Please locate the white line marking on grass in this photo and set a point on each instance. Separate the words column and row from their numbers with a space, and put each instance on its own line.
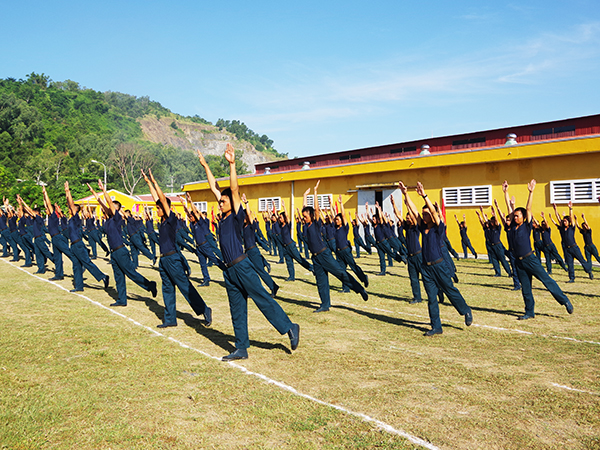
column 382, row 425
column 573, row 389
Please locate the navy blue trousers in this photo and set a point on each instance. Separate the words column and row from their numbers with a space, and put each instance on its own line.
column 437, row 278
column 42, row 254
column 81, row 261
column 415, row 267
column 123, row 267
column 591, row 250
column 345, row 258
column 528, row 268
column 172, row 273
column 497, row 257
column 241, row 281
column 324, row 264
column 258, row 261
column 572, row 254
column 551, row 253
column 60, row 246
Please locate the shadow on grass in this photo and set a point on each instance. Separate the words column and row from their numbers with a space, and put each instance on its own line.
column 223, row 340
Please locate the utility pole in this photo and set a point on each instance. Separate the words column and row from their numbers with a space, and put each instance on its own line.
column 171, row 185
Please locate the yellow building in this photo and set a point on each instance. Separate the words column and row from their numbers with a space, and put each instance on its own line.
column 136, row 204
column 461, row 177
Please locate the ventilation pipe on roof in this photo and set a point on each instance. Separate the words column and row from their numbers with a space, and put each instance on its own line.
column 267, row 171
column 511, row 139
column 425, row 150
column 306, row 165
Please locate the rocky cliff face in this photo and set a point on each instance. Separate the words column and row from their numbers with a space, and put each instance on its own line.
column 207, row 138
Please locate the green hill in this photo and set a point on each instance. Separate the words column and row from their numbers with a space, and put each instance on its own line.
column 51, row 131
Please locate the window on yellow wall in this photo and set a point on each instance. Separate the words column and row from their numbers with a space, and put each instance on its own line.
column 576, row 191
column 201, row 206
column 325, row 201
column 467, row 196
column 269, row 203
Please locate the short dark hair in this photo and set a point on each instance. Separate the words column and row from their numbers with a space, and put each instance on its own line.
column 523, row 212
column 227, row 192
column 118, row 204
column 310, row 210
column 159, row 203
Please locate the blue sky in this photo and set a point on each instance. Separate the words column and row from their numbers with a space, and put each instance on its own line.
column 319, row 77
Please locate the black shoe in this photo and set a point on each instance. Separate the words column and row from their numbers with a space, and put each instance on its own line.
column 525, row 317
column 55, row 278
column 569, row 307
column 571, row 281
column 366, row 283
column 208, row 316
column 497, row 276
column 152, row 289
column 455, row 278
column 76, row 290
column 591, row 275
column 154, row 261
column 516, row 288
column 27, row 265
column 166, row 325
column 106, row 280
column 381, row 274
column 413, row 301
column 275, row 289
column 468, row 318
column 294, row 334
column 364, row 295
column 321, row 309
column 434, row 332
column 290, row 279
column 205, row 283
column 475, row 255
column 240, row 353
column 118, row 304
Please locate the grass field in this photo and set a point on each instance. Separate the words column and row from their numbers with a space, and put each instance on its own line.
column 73, row 374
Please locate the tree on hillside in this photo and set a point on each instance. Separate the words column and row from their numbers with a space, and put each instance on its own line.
column 130, row 159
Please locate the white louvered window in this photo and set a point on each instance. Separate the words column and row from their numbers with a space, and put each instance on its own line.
column 325, row 201
column 201, row 206
column 576, row 191
column 269, row 203
column 467, row 196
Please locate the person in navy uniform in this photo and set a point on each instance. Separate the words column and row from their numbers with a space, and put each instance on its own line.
column 435, row 272
column 81, row 259
column 566, row 228
column 173, row 270
column 464, row 238
column 13, row 230
column 322, row 259
column 200, row 230
column 93, row 233
column 589, row 247
column 343, row 251
column 528, row 265
column 549, row 249
column 42, row 254
column 510, row 253
column 260, row 264
column 150, row 232
column 134, row 227
column 60, row 244
column 120, row 260
column 288, row 245
column 241, row 279
column 413, row 248
column 358, row 240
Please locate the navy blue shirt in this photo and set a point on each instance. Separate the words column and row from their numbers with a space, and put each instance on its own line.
column 567, row 235
column 313, row 236
column 286, row 233
column 546, row 239
column 494, row 234
column 276, row 227
column 53, row 224
column 341, row 236
column 3, row 222
column 12, row 224
column 38, row 224
column 75, row 228
column 379, row 233
column 587, row 236
column 250, row 236
column 520, row 238
column 432, row 241
column 167, row 233
column 112, row 228
column 230, row 235
column 367, row 228
column 150, row 226
column 412, row 238
column 537, row 234
column 330, row 231
column 463, row 234
column 204, row 226
column 90, row 224
column 133, row 225
column 23, row 226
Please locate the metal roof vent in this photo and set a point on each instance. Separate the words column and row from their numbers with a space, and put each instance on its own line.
column 306, row 165
column 511, row 139
column 425, row 150
column 267, row 171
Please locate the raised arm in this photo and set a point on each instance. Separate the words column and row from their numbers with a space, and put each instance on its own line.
column 109, row 203
column 556, row 214
column 342, row 211
column 151, row 186
column 21, row 202
column 249, row 213
column 531, row 188
column 212, row 182
column 499, row 213
column 159, row 193
column 47, row 202
column 107, row 211
column 571, row 215
column 412, row 208
column 317, row 210
column 70, row 202
column 233, row 181
column 434, row 215
column 396, row 210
